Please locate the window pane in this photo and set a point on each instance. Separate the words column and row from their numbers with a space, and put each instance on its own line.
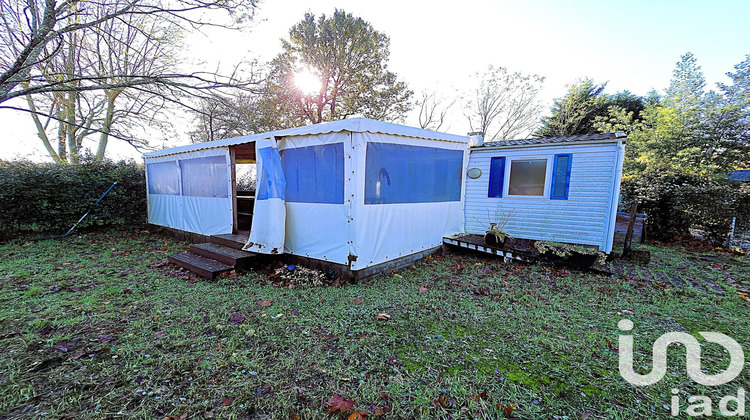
column 163, row 178
column 527, row 177
column 397, row 173
column 314, row 174
column 205, row 177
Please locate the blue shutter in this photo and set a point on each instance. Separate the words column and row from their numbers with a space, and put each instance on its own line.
column 497, row 175
column 561, row 177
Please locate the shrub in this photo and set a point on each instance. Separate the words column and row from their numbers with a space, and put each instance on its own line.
column 50, row 197
column 677, row 199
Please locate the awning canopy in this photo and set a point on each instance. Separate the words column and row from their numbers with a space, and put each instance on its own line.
column 354, row 125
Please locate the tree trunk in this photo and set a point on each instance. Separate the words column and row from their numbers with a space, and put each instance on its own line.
column 629, row 233
column 107, row 126
column 41, row 132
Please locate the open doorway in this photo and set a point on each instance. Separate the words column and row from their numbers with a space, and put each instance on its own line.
column 245, row 182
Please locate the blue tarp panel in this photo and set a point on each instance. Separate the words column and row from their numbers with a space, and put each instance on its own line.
column 497, row 176
column 398, row 173
column 561, row 177
column 205, row 177
column 314, row 174
column 163, row 178
column 271, row 181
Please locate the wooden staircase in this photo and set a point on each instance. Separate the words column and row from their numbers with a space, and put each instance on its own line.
column 223, row 253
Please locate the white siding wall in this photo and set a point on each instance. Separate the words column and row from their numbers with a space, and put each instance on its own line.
column 584, row 218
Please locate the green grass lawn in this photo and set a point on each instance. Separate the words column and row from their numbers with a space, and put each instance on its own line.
column 98, row 326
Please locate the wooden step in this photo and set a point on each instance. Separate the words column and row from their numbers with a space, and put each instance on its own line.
column 230, row 239
column 202, row 266
column 221, row 253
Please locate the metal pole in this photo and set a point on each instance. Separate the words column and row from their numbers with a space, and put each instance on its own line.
column 731, row 233
column 87, row 213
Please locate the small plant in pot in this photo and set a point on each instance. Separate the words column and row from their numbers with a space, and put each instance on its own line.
column 495, row 236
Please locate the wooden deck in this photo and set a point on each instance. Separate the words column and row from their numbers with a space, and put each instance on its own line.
column 520, row 249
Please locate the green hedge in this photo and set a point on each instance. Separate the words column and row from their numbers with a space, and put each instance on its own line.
column 49, row 198
column 677, row 199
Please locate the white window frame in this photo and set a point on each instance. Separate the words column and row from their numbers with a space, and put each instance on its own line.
column 547, row 177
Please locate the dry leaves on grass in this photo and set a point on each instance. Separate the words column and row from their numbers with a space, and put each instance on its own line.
column 265, row 303
column 382, row 317
column 507, row 409
column 338, row 403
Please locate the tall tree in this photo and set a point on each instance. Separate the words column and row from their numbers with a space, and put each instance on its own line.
column 575, row 112
column 503, row 105
column 349, row 59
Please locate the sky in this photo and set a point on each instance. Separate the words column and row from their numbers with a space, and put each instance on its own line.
column 438, row 44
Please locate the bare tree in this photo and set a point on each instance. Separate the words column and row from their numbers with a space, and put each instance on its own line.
column 131, row 44
column 433, row 108
column 32, row 32
column 104, row 67
column 503, row 105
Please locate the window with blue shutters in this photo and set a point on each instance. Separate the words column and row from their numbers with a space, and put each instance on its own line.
column 561, row 177
column 497, row 175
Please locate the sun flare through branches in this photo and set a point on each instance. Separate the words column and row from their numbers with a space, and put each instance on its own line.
column 307, row 81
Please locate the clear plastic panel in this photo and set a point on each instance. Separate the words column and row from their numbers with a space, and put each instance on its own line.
column 399, row 173
column 163, row 178
column 271, row 179
column 205, row 177
column 314, row 174
column 527, row 177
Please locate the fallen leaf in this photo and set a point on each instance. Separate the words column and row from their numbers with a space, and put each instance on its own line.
column 508, row 409
column 482, row 396
column 160, row 334
column 382, row 316
column 358, row 415
column 127, row 291
column 236, row 318
column 379, row 411
column 227, row 401
column 443, row 400
column 422, row 289
column 293, row 416
column 585, row 415
column 265, row 303
column 338, row 403
column 358, row 301
column 208, row 415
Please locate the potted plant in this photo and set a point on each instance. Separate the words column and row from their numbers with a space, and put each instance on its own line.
column 495, row 236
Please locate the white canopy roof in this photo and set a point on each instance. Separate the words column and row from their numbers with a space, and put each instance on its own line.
column 354, row 125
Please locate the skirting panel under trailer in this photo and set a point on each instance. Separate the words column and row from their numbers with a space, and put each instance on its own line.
column 476, row 243
column 343, row 271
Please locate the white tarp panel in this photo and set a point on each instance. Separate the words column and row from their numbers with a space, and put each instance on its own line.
column 269, row 214
column 389, row 227
column 191, row 191
column 317, row 212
